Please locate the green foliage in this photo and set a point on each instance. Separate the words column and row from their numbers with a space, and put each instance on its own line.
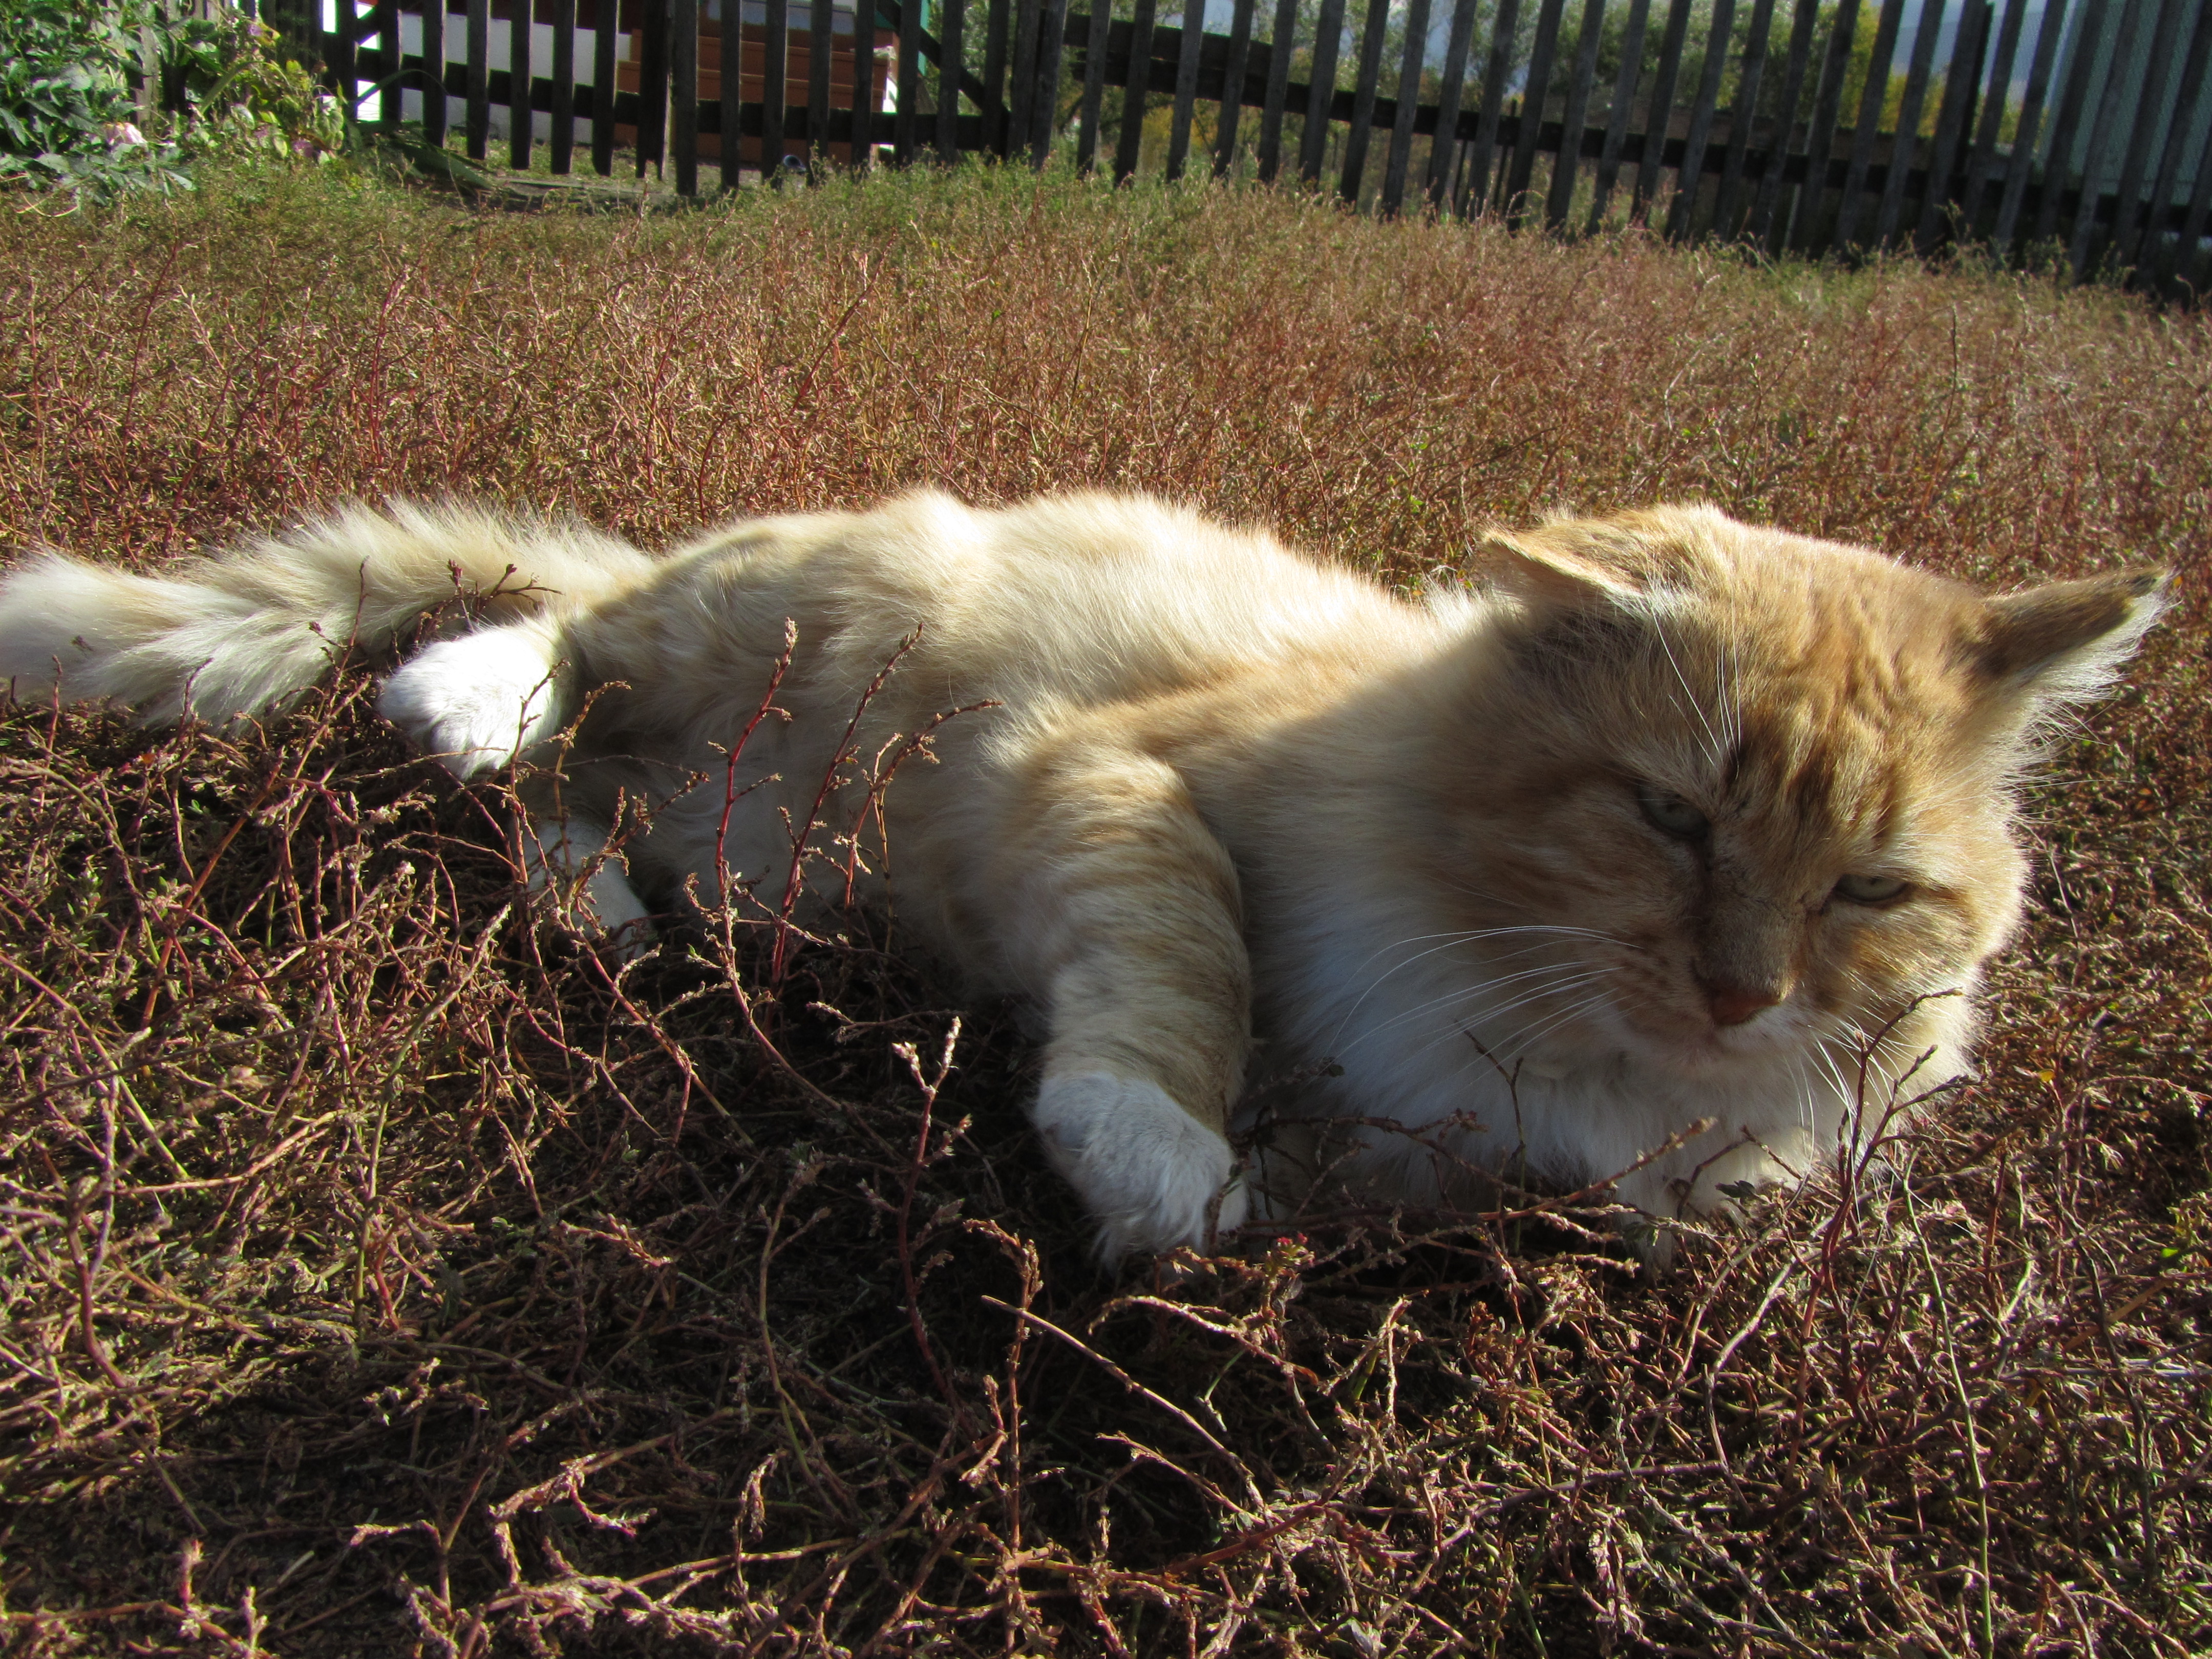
column 69, row 121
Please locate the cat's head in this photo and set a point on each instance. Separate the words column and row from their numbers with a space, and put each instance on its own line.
column 1762, row 786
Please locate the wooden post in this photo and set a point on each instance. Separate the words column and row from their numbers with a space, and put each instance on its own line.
column 2031, row 114
column 563, row 135
column 1321, row 93
column 652, row 87
column 683, row 95
column 905, row 126
column 1474, row 180
column 521, row 124
column 776, row 79
column 1691, row 174
column 1132, row 96
column 1616, row 120
column 1864, row 129
column 1659, row 111
column 433, row 73
column 1022, row 76
column 1191, row 39
column 997, row 118
column 1409, row 100
column 1278, row 88
column 1443, row 143
column 1363, row 98
column 478, row 129
column 950, row 35
column 1906, row 144
column 1742, row 119
column 1044, row 102
column 1567, row 164
column 861, row 151
column 1536, row 90
column 1233, row 87
column 1093, row 83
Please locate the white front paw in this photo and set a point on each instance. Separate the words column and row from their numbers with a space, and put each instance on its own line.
column 477, row 701
column 1152, row 1175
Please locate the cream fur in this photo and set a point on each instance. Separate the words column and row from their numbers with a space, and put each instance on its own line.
column 1216, row 793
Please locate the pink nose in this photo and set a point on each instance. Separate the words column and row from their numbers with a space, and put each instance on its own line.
column 1732, row 1005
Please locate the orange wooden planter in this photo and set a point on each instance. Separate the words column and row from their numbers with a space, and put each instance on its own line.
column 752, row 70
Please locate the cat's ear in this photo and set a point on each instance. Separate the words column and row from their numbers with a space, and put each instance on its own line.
column 2064, row 642
column 1560, row 564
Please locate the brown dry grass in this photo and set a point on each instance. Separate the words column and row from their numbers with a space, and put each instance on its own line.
column 378, row 1278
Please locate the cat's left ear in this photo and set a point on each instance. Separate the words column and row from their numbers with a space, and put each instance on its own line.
column 2064, row 642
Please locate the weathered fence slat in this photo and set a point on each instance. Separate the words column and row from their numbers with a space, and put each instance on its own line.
column 684, row 97
column 1617, row 119
column 654, row 90
column 1094, row 85
column 1981, row 159
column 2081, row 243
column 951, row 31
column 562, row 140
column 862, row 146
column 2191, row 89
column 2072, row 101
column 2192, row 221
column 1185, row 86
column 388, row 81
column 1959, row 89
column 1044, row 105
column 1232, row 81
column 1138, row 80
column 1867, row 128
column 1692, row 171
column 821, row 26
column 1543, row 52
column 997, row 35
column 1409, row 97
column 433, row 78
column 1742, row 119
column 2149, row 107
column 521, row 127
column 1804, row 222
column 1475, row 182
column 1444, row 147
column 1321, row 91
column 1905, row 142
column 776, row 80
column 906, row 121
column 1270, row 156
column 1659, row 109
column 1760, row 228
column 1363, row 98
column 478, row 121
column 2030, row 123
column 1560, row 200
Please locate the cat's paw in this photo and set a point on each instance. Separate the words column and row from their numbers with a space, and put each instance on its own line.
column 474, row 703
column 1152, row 1175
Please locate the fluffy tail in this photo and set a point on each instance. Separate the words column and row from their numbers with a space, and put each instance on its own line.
column 231, row 637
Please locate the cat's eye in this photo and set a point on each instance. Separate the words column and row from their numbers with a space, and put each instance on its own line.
column 1671, row 815
column 1871, row 889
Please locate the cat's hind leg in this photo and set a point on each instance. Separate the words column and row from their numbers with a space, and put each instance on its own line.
column 1126, row 910
column 575, row 874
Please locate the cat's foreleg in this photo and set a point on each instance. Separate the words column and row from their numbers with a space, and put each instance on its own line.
column 1128, row 916
column 477, row 701
column 572, row 871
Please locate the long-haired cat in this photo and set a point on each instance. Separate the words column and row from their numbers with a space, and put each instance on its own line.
column 1664, row 818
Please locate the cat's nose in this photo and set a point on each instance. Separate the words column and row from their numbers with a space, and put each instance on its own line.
column 1732, row 1004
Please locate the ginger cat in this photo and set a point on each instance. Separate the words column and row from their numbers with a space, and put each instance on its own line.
column 1666, row 818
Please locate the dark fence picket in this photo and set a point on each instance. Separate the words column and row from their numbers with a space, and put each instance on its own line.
column 1233, row 81
column 1135, row 85
column 951, row 31
column 1364, row 86
column 2082, row 244
column 821, row 26
column 861, row 146
column 389, row 81
column 1475, row 182
column 1185, row 86
column 2150, row 108
column 2073, row 98
column 2022, row 162
column 1981, row 159
column 1692, row 173
column 1560, row 199
column 1094, row 85
column 684, row 97
column 562, row 141
column 1269, row 157
column 1759, row 230
column 1321, row 91
column 1543, row 51
column 476, row 122
column 2186, row 257
column 2190, row 89
column 1619, row 116
column 1044, row 102
column 1659, row 110
column 432, row 81
column 1905, row 144
column 776, row 77
column 1866, row 129
column 520, row 126
column 1959, row 86
column 1401, row 158
column 997, row 36
column 1804, row 222
column 906, row 122
column 1444, row 145
column 607, row 29
column 654, row 93
column 1743, row 119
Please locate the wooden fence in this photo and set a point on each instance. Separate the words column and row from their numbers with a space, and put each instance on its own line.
column 2077, row 125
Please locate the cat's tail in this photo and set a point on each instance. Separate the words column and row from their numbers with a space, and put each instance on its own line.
column 235, row 635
